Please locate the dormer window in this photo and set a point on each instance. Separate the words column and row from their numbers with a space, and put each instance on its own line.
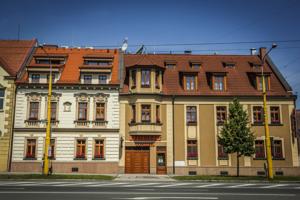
column 255, row 65
column 259, row 82
column 98, row 61
column 102, row 79
column 229, row 64
column 47, row 61
column 190, row 82
column 218, row 82
column 35, row 78
column 53, row 78
column 87, row 79
column 146, row 77
column 133, row 78
column 157, row 79
column 170, row 64
column 195, row 65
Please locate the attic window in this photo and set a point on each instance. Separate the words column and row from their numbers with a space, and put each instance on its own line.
column 229, row 64
column 255, row 65
column 170, row 64
column 195, row 65
column 47, row 61
column 99, row 62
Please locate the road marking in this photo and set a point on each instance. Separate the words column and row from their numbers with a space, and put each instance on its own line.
column 14, row 183
column 173, row 185
column 105, row 184
column 138, row 185
column 273, row 186
column 172, row 197
column 73, row 184
column 241, row 185
column 148, row 193
column 209, row 185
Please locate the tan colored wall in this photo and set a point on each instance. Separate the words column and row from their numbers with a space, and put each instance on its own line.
column 180, row 142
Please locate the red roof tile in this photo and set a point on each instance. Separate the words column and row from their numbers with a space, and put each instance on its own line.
column 14, row 53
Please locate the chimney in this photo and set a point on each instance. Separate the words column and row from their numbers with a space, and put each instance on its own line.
column 188, row 52
column 253, row 51
column 262, row 52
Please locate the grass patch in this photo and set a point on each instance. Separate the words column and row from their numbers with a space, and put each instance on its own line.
column 56, row 176
column 234, row 178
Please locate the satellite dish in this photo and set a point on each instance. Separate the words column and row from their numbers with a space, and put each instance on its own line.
column 124, row 45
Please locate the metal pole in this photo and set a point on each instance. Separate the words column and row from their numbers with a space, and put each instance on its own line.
column 48, row 130
column 266, row 121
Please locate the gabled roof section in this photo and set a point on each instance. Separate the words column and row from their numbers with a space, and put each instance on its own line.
column 141, row 60
column 14, row 53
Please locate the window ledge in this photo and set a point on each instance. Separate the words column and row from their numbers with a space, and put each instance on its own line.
column 222, row 158
column 194, row 158
column 278, row 158
column 191, row 123
column 259, row 158
column 29, row 158
column 98, row 158
column 257, row 124
column 144, row 123
column 276, row 124
column 80, row 158
column 145, row 86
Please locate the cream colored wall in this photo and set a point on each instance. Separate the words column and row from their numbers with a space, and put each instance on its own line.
column 5, row 84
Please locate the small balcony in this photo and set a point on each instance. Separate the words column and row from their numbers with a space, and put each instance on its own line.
column 145, row 128
column 33, row 123
column 99, row 123
column 82, row 123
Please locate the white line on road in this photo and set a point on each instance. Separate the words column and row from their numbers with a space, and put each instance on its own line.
column 74, row 184
column 138, row 185
column 241, row 185
column 142, row 198
column 209, row 185
column 174, row 185
column 105, row 184
column 273, row 186
column 13, row 183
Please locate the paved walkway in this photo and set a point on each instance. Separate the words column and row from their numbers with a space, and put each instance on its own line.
column 143, row 177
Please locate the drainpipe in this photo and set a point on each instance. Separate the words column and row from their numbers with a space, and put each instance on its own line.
column 173, row 124
column 12, row 129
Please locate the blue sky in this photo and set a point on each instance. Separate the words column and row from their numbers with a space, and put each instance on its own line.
column 101, row 23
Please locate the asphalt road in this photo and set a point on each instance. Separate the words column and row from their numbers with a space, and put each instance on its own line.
column 90, row 190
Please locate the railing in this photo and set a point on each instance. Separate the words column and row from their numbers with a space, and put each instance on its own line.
column 33, row 123
column 99, row 123
column 82, row 123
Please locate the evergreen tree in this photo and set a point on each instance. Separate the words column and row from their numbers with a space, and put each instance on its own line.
column 236, row 136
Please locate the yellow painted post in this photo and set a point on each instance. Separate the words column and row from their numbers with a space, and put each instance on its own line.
column 47, row 142
column 267, row 132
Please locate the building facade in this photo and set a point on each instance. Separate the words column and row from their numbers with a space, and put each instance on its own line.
column 13, row 56
column 172, row 107
column 84, row 111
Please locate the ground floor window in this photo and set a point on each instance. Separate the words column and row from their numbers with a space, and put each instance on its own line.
column 81, row 149
column 276, row 147
column 99, row 149
column 52, row 149
column 192, row 152
column 30, row 149
column 259, row 149
column 221, row 152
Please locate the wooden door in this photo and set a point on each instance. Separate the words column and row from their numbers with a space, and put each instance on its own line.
column 161, row 167
column 137, row 161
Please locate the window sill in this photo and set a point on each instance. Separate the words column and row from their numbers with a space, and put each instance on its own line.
column 259, row 158
column 29, row 159
column 222, row 158
column 145, row 86
column 144, row 123
column 196, row 158
column 98, row 158
column 80, row 158
column 257, row 124
column 191, row 123
column 275, row 124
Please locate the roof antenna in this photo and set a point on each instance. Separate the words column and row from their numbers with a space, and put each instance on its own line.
column 140, row 50
column 125, row 44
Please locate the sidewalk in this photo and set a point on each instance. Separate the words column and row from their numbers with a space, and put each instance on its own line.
column 142, row 177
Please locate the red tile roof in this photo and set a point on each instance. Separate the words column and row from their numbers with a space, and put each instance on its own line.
column 15, row 53
column 238, row 82
column 74, row 61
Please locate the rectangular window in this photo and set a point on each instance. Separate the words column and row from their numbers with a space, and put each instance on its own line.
column 100, row 111
column 53, row 78
column 53, row 110
column 195, row 65
column 34, row 111
column 157, row 114
column 82, row 111
column 98, row 62
column 190, row 82
column 133, row 78
column 259, row 82
column 275, row 114
column 157, row 79
column 99, row 149
column 257, row 114
column 192, row 152
column 102, row 79
column 35, row 78
column 2, row 92
column 146, row 113
column 276, row 146
column 221, row 152
column 218, row 83
column 221, row 114
column 87, row 79
column 133, row 120
column 259, row 149
column 170, row 65
column 52, row 149
column 31, row 149
column 81, row 148
column 191, row 114
column 146, row 76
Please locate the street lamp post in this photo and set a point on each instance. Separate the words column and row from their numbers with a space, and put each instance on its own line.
column 267, row 130
column 48, row 129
